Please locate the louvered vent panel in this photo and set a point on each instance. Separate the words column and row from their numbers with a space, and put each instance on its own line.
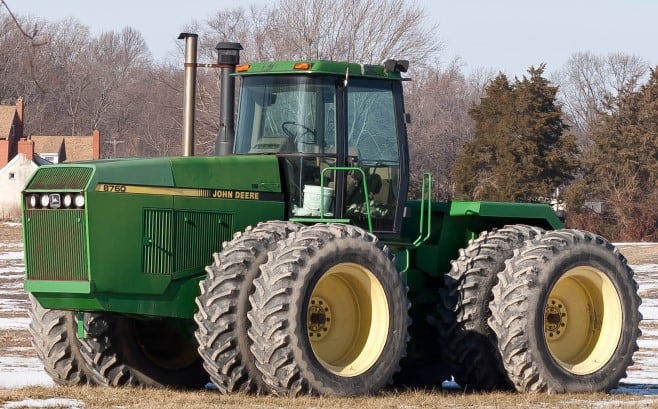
column 158, row 238
column 198, row 236
column 55, row 241
column 61, row 177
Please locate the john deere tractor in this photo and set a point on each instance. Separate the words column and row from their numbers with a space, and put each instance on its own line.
column 293, row 261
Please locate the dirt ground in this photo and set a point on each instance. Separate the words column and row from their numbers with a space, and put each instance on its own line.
column 16, row 342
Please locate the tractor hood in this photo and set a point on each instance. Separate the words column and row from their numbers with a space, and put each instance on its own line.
column 245, row 173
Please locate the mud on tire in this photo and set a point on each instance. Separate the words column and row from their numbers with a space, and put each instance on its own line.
column 329, row 314
column 224, row 302
column 566, row 314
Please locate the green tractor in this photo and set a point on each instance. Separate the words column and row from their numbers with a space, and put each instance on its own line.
column 293, row 261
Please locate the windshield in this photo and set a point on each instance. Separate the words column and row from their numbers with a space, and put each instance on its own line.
column 286, row 115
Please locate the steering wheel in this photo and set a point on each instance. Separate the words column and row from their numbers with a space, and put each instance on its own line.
column 299, row 137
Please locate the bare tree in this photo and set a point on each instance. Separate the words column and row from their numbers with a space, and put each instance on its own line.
column 589, row 82
column 439, row 100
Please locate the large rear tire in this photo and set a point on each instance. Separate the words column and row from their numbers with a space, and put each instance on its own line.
column 469, row 344
column 329, row 314
column 123, row 351
column 224, row 303
column 54, row 336
column 566, row 314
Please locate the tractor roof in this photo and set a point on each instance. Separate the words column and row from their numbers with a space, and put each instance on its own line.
column 317, row 67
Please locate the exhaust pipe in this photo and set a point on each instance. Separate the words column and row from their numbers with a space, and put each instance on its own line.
column 228, row 56
column 189, row 91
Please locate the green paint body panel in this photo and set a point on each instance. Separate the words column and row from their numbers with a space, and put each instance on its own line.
column 321, row 67
column 148, row 229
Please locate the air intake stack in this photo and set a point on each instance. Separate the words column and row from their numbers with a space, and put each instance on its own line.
column 228, row 57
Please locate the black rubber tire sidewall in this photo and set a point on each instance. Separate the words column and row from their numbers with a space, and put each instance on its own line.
column 606, row 262
column 350, row 251
column 146, row 372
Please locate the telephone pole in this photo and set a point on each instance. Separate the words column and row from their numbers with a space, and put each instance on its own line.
column 114, row 142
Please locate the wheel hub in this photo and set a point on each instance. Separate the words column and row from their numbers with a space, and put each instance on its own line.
column 555, row 319
column 318, row 318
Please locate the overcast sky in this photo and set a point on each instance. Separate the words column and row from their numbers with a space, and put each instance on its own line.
column 505, row 35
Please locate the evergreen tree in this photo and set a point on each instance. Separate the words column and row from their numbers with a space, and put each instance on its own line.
column 622, row 166
column 520, row 151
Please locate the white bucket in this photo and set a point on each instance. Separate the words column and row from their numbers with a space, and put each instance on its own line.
column 312, row 197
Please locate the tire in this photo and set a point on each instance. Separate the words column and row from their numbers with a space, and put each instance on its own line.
column 470, row 346
column 224, row 302
column 566, row 314
column 329, row 314
column 123, row 351
column 54, row 336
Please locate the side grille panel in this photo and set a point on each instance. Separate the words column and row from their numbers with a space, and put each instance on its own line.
column 199, row 235
column 55, row 241
column 63, row 177
column 158, row 239
column 176, row 241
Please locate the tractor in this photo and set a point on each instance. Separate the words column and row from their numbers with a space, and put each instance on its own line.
column 293, row 261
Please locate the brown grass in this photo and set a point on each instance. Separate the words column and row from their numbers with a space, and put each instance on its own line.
column 98, row 397
column 94, row 397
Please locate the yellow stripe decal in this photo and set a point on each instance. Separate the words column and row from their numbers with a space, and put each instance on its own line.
column 190, row 192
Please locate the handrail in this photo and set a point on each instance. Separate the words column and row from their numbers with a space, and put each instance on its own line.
column 425, row 196
column 427, row 179
column 365, row 190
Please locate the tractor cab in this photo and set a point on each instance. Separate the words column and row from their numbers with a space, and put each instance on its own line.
column 338, row 130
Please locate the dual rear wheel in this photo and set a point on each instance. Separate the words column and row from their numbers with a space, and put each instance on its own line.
column 556, row 311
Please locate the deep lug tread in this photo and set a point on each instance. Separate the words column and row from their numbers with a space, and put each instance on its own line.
column 55, row 341
column 513, row 311
column 223, row 305
column 277, row 345
column 470, row 345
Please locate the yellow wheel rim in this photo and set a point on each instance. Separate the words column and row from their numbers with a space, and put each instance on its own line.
column 348, row 319
column 583, row 320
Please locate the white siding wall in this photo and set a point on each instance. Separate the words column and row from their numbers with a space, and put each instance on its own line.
column 13, row 178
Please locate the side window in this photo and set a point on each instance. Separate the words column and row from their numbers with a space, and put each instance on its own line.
column 372, row 146
column 371, row 123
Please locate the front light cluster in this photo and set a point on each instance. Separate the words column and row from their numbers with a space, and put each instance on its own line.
column 55, row 201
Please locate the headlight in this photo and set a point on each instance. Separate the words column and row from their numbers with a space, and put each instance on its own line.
column 67, row 201
column 79, row 200
column 33, row 201
column 45, row 200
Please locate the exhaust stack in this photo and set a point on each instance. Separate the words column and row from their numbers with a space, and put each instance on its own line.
column 228, row 56
column 189, row 91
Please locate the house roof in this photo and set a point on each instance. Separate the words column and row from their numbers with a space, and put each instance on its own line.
column 7, row 114
column 73, row 148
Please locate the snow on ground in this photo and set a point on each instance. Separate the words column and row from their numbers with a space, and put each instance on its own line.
column 18, row 371
column 45, row 403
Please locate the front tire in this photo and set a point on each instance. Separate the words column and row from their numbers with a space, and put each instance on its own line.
column 566, row 314
column 329, row 314
column 123, row 351
column 54, row 336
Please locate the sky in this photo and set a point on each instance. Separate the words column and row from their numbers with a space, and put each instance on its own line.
column 502, row 35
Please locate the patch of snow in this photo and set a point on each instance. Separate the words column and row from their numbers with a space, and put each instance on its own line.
column 45, row 403
column 19, row 372
column 645, row 268
column 14, row 323
column 11, row 255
